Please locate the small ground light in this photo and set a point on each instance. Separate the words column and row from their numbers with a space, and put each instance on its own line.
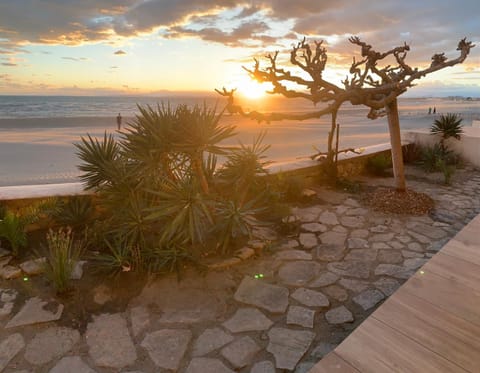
column 422, row 272
column 258, row 275
column 25, row 278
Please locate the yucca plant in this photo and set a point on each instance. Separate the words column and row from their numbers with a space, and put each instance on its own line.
column 448, row 125
column 234, row 222
column 101, row 164
column 243, row 167
column 12, row 228
column 75, row 211
column 62, row 254
column 119, row 257
column 183, row 210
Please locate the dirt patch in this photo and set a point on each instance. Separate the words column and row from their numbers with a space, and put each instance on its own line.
column 406, row 203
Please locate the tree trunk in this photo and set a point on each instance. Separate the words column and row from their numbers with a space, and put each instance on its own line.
column 396, row 143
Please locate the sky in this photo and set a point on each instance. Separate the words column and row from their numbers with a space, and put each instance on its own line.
column 147, row 47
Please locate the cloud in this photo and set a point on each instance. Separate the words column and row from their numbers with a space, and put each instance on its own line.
column 76, row 59
column 430, row 26
column 241, row 36
column 119, row 53
column 8, row 64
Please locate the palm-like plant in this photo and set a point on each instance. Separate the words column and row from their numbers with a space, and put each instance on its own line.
column 101, row 164
column 199, row 131
column 448, row 125
column 183, row 210
column 234, row 221
column 243, row 166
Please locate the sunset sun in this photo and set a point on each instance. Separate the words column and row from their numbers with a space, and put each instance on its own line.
column 250, row 88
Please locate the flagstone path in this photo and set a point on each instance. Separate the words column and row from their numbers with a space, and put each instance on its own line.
column 281, row 311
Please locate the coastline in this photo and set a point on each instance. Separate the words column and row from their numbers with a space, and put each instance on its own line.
column 40, row 150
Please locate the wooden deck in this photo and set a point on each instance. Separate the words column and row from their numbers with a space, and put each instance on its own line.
column 430, row 324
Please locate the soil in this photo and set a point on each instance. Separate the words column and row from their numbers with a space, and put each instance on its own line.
column 390, row 200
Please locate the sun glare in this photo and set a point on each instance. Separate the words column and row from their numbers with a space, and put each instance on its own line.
column 250, row 88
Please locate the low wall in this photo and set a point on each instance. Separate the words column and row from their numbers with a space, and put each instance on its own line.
column 349, row 164
column 468, row 146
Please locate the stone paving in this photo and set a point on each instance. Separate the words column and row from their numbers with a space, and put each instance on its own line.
column 281, row 311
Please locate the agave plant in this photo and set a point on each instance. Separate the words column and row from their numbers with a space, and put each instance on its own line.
column 183, row 210
column 234, row 222
column 100, row 158
column 449, row 125
column 243, row 166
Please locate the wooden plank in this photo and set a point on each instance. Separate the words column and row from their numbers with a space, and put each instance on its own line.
column 456, row 269
column 450, row 295
column 470, row 253
column 332, row 363
column 453, row 338
column 375, row 347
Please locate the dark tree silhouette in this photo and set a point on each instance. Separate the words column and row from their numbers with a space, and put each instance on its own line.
column 368, row 84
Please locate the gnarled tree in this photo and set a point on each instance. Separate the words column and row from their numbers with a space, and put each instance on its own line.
column 369, row 84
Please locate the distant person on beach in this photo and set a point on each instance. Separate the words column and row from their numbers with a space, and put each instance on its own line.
column 119, row 121
column 434, row 110
column 429, row 110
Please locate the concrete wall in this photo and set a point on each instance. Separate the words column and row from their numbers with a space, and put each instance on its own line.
column 349, row 164
column 468, row 146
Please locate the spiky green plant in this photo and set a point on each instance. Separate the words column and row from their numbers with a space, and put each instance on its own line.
column 448, row 125
column 117, row 258
column 62, row 254
column 183, row 210
column 101, row 164
column 244, row 165
column 234, row 222
column 12, row 228
column 75, row 211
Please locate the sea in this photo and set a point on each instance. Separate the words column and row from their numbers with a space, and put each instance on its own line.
column 37, row 133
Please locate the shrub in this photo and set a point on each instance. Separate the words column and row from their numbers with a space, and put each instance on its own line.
column 75, row 211
column 412, row 153
column 378, row 164
column 12, row 228
column 62, row 255
column 448, row 125
column 159, row 184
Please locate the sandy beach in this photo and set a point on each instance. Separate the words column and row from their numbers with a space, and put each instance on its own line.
column 40, row 150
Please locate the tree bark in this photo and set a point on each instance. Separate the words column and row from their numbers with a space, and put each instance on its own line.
column 396, row 143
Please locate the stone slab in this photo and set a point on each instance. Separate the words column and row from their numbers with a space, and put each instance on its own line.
column 333, row 238
column 241, row 352
column 368, row 298
column 350, row 269
column 110, row 327
column 36, row 310
column 325, row 279
column 272, row 298
column 139, row 319
column 34, row 266
column 298, row 273
column 263, row 367
column 247, row 320
column 166, row 347
column 9, row 348
column 300, row 316
column 330, row 252
column 210, row 340
column 71, row 364
column 308, row 240
column 50, row 344
column 310, row 298
column 204, row 365
column 339, row 315
column 293, row 255
column 288, row 346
